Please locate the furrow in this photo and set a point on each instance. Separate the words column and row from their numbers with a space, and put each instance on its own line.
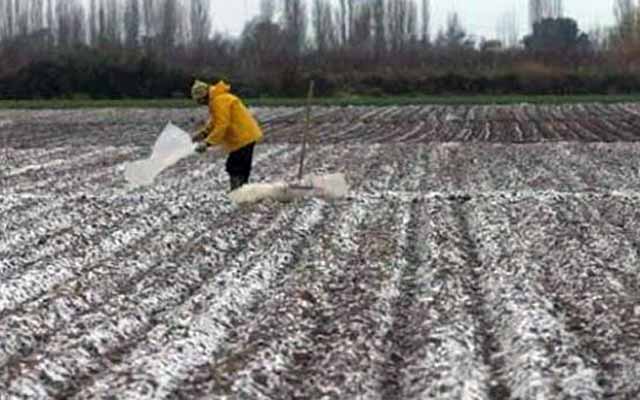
column 337, row 321
column 542, row 358
column 50, row 161
column 120, row 313
column 185, row 340
column 595, row 281
column 271, row 356
column 437, row 336
column 37, row 176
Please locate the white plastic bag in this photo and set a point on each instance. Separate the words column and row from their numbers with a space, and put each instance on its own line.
column 172, row 145
column 333, row 186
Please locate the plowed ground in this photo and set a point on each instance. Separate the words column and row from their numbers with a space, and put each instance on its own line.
column 482, row 253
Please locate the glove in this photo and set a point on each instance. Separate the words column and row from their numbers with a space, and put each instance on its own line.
column 202, row 147
column 199, row 136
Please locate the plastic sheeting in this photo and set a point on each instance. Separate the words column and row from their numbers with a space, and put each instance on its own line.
column 333, row 186
column 172, row 145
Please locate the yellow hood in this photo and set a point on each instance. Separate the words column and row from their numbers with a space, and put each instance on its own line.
column 219, row 88
column 230, row 124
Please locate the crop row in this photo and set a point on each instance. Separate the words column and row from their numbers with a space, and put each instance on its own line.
column 414, row 124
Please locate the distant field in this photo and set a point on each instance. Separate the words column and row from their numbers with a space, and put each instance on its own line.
column 484, row 253
column 338, row 101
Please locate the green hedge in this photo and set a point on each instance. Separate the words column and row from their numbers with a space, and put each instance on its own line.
column 98, row 77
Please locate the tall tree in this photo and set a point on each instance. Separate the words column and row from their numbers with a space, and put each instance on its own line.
column 64, row 18
column 132, row 24
column 361, row 36
column 401, row 23
column 540, row 9
column 379, row 30
column 267, row 10
column 93, row 22
column 559, row 35
column 295, row 25
column 77, row 20
column 536, row 11
column 50, row 15
column 9, row 18
column 261, row 46
column 200, row 21
column 507, row 29
column 36, row 17
column 150, row 18
column 169, row 24
column 343, row 22
column 455, row 36
column 426, row 21
column 111, row 26
column 626, row 14
column 557, row 9
column 351, row 18
column 22, row 17
column 323, row 26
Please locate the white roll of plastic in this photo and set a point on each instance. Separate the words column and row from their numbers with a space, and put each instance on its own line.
column 172, row 145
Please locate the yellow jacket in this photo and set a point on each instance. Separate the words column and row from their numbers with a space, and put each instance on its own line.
column 230, row 123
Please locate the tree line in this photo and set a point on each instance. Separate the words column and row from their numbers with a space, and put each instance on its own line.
column 155, row 48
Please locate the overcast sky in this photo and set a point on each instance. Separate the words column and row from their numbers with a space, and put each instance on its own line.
column 478, row 16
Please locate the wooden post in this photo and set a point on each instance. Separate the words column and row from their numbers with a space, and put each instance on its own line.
column 306, row 131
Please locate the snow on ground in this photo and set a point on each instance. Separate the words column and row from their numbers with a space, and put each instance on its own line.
column 482, row 253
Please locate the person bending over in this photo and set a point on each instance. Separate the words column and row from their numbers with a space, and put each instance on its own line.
column 231, row 126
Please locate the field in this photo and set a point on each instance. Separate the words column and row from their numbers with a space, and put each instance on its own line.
column 484, row 252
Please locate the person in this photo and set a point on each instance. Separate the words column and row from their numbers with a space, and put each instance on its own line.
column 231, row 126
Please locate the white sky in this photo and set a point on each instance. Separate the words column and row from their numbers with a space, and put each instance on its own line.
column 479, row 17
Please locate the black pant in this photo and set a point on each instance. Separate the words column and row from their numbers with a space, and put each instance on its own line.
column 239, row 165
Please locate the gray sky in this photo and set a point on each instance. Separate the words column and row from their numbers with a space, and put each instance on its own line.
column 478, row 16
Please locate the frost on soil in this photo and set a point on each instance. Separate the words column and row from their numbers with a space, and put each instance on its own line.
column 481, row 253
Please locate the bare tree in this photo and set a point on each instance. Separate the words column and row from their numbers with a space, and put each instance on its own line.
column 200, row 21
column 507, row 29
column 295, row 25
column 412, row 23
column 132, row 24
column 111, row 31
column 343, row 22
column 454, row 37
column 323, row 26
column 36, row 15
column 63, row 15
column 77, row 21
column 627, row 27
column 50, row 15
column 149, row 13
column 426, row 21
column 361, row 36
column 169, row 24
column 22, row 17
column 93, row 22
column 9, row 18
column 267, row 10
column 3, row 21
column 536, row 11
column 599, row 38
column 261, row 47
column 401, row 23
column 351, row 19
column 539, row 9
column 557, row 8
column 622, row 9
column 379, row 35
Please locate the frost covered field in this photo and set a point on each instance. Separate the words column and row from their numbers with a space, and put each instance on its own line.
column 484, row 253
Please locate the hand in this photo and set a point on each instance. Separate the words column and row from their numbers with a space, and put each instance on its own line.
column 202, row 147
column 199, row 136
